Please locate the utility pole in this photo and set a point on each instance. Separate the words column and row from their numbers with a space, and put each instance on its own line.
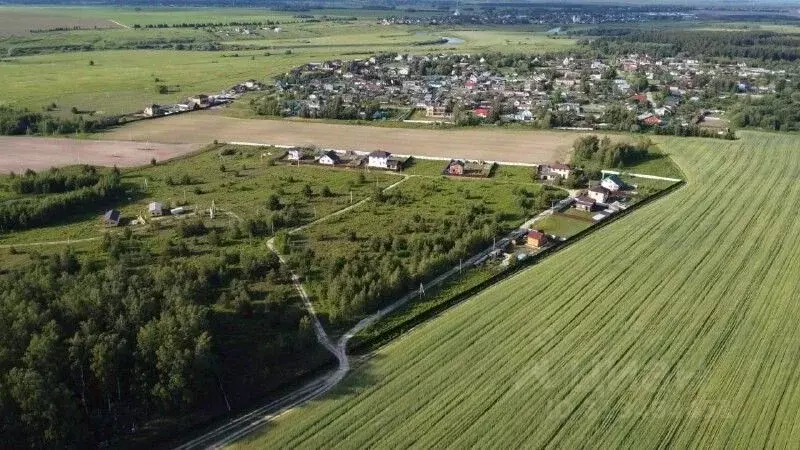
column 460, row 261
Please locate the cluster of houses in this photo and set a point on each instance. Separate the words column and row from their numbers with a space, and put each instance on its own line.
column 552, row 14
column 578, row 90
column 203, row 101
column 607, row 194
column 378, row 159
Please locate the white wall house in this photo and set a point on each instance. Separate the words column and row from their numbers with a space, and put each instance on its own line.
column 294, row 154
column 329, row 158
column 554, row 171
column 612, row 183
column 598, row 194
column 379, row 159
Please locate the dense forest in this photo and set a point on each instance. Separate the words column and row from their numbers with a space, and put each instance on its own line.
column 76, row 196
column 90, row 350
column 660, row 43
column 777, row 112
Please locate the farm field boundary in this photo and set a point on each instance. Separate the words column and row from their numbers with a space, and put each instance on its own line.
column 513, row 145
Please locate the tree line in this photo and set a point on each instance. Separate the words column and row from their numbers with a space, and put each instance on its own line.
column 15, row 121
column 54, row 180
column 660, row 43
column 28, row 212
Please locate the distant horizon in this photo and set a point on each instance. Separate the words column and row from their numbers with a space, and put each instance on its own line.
column 378, row 4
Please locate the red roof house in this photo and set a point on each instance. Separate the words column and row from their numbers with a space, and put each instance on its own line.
column 482, row 112
column 537, row 238
column 652, row 121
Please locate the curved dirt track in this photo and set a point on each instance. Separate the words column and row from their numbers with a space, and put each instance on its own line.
column 513, row 145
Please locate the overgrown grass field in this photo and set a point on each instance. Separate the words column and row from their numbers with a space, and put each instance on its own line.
column 241, row 189
column 675, row 326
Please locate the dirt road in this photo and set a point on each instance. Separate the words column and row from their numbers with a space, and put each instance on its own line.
column 18, row 153
column 515, row 145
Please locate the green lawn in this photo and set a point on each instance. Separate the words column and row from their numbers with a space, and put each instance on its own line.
column 562, row 226
column 659, row 164
column 654, row 330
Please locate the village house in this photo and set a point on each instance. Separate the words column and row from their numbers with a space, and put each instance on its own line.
column 537, row 239
column 456, row 167
column 329, row 158
column 155, row 209
column 395, row 164
column 612, row 183
column 584, row 203
column 554, row 171
column 463, row 167
column 379, row 159
column 153, row 110
column 295, row 154
column 435, row 111
column 200, row 101
column 111, row 218
column 599, row 194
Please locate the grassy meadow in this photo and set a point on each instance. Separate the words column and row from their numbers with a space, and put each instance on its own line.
column 655, row 330
column 241, row 189
column 126, row 80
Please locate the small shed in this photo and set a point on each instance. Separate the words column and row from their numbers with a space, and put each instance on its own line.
column 111, row 218
column 155, row 209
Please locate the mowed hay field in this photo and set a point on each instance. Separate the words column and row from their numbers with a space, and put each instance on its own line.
column 515, row 145
column 675, row 326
